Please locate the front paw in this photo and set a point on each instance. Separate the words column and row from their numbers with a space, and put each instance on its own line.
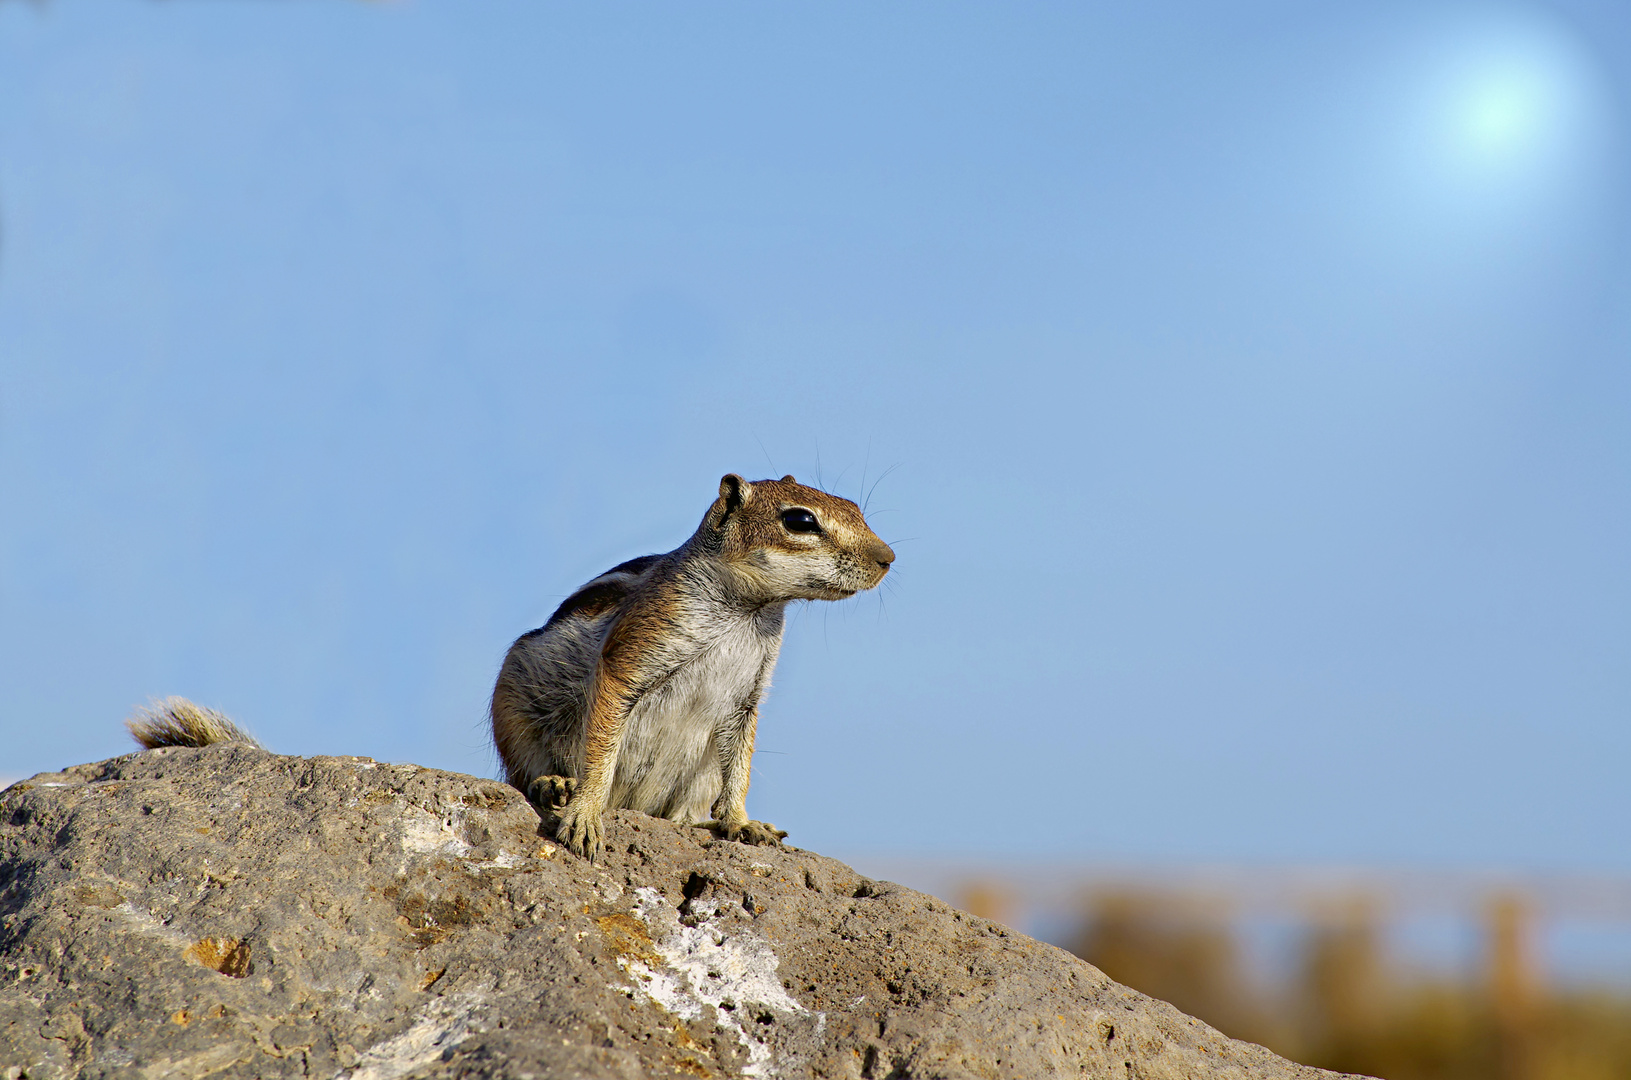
column 552, row 792
column 581, row 831
column 749, row 832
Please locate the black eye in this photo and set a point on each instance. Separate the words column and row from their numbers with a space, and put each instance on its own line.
column 800, row 520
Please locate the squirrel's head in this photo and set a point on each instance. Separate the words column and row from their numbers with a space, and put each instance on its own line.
column 790, row 542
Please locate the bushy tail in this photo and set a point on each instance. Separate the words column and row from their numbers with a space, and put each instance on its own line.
column 175, row 721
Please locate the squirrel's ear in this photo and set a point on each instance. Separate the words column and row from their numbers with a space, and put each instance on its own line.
column 735, row 491
column 788, row 479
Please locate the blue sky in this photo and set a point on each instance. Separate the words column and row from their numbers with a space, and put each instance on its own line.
column 1244, row 387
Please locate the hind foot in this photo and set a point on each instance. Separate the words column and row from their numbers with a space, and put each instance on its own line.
column 748, row 832
column 552, row 792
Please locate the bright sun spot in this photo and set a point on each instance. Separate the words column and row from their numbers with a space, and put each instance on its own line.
column 1502, row 114
column 1509, row 109
column 1502, row 118
column 1494, row 130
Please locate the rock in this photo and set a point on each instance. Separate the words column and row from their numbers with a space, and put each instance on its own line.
column 227, row 911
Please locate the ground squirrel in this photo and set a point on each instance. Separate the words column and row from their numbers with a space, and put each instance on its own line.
column 642, row 690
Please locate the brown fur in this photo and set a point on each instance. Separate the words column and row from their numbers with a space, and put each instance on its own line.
column 681, row 646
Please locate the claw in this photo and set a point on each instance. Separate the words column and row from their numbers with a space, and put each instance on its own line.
column 748, row 832
column 762, row 832
column 580, row 831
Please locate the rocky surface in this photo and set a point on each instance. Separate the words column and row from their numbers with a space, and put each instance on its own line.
column 232, row 912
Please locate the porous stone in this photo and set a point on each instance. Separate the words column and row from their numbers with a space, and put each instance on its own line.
column 232, row 912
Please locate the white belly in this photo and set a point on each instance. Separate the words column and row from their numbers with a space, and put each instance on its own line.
column 669, row 762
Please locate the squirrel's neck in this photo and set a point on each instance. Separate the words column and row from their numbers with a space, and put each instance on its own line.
column 707, row 579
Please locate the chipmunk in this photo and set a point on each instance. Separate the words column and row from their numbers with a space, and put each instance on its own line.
column 642, row 690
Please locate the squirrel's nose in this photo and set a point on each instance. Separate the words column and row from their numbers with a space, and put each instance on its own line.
column 883, row 554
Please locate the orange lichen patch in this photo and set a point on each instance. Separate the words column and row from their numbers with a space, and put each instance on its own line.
column 430, row 978
column 688, row 1064
column 229, row 956
column 181, row 1018
column 627, row 936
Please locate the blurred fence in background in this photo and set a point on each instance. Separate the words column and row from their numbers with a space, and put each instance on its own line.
column 1402, row 975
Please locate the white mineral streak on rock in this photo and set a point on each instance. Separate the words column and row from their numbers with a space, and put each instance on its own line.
column 710, row 967
column 502, row 861
column 144, row 922
column 424, row 833
column 442, row 1024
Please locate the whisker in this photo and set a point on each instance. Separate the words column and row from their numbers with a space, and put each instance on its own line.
column 880, row 480
column 765, row 452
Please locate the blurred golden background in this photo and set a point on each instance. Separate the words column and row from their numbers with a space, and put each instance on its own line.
column 1407, row 975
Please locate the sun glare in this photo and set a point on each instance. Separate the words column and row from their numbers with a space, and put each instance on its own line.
column 1504, row 115
column 1502, row 118
column 1490, row 138
column 1503, row 112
